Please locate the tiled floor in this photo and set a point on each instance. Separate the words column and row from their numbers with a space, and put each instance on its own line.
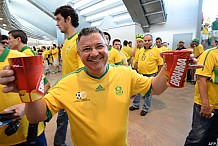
column 167, row 123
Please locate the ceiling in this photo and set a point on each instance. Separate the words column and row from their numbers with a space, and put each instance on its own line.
column 36, row 17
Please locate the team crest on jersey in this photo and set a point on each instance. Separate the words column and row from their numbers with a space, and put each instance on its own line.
column 150, row 54
column 119, row 90
column 81, row 96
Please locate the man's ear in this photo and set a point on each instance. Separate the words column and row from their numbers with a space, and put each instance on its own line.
column 68, row 19
column 19, row 39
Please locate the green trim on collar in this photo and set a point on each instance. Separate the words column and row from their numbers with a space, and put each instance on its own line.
column 107, row 68
column 5, row 53
column 110, row 47
column 207, row 56
column 118, row 63
column 72, row 36
column 25, row 48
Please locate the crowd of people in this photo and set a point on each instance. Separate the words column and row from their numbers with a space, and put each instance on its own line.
column 98, row 81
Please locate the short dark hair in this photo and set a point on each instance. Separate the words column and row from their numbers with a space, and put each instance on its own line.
column 19, row 33
column 116, row 40
column 150, row 36
column 4, row 37
column 105, row 33
column 66, row 11
column 89, row 30
column 55, row 45
column 129, row 42
column 125, row 42
column 158, row 38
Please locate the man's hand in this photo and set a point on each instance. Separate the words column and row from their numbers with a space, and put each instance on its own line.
column 19, row 111
column 7, row 78
column 206, row 111
column 193, row 63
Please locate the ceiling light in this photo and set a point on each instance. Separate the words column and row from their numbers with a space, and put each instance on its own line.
column 4, row 24
column 1, row 18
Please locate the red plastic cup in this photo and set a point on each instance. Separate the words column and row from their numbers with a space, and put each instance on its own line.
column 176, row 63
column 29, row 77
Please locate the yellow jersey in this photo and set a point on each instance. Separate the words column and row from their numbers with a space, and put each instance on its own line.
column 163, row 48
column 114, row 56
column 210, row 61
column 127, row 51
column 149, row 60
column 70, row 58
column 198, row 50
column 136, row 55
column 97, row 107
column 9, row 99
column 54, row 53
column 28, row 51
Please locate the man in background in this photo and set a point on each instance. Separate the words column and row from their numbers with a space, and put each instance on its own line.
column 114, row 55
column 116, row 45
column 67, row 21
column 4, row 40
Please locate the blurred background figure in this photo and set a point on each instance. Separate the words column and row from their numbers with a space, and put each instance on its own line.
column 4, row 40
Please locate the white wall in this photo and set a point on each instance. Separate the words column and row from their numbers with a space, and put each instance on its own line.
column 181, row 18
column 125, row 32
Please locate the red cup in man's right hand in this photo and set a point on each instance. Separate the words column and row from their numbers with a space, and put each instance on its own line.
column 176, row 63
column 29, row 77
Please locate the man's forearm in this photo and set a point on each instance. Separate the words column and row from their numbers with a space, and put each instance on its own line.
column 36, row 111
column 202, row 87
column 159, row 84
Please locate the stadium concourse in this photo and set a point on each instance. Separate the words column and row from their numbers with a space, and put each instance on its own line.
column 167, row 123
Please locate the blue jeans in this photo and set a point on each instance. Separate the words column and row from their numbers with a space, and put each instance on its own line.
column 147, row 99
column 204, row 131
column 61, row 131
column 40, row 141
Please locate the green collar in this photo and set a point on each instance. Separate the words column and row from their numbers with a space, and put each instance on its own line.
column 107, row 68
column 5, row 53
column 110, row 47
column 72, row 36
column 25, row 48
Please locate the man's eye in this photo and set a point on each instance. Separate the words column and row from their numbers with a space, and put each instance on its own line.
column 86, row 49
column 99, row 47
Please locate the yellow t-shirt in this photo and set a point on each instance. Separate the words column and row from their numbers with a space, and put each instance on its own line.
column 28, row 51
column 45, row 53
column 54, row 53
column 123, row 58
column 114, row 56
column 210, row 61
column 163, row 48
column 198, row 50
column 97, row 108
column 126, row 50
column 9, row 99
column 149, row 60
column 136, row 55
column 70, row 58
column 205, row 30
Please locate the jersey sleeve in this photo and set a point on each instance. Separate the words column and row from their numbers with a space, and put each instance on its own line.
column 52, row 101
column 117, row 58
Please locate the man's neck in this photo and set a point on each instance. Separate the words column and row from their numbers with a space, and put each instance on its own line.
column 70, row 32
column 19, row 48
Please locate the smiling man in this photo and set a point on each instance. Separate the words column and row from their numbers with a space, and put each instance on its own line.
column 95, row 97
